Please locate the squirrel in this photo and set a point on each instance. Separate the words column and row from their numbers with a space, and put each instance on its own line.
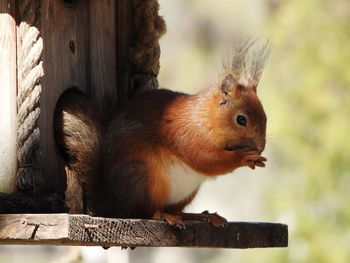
column 150, row 159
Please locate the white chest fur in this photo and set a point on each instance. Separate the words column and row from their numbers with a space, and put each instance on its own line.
column 183, row 181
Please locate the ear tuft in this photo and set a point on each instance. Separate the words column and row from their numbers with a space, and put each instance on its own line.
column 246, row 62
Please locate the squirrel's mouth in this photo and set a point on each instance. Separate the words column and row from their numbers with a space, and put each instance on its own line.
column 236, row 147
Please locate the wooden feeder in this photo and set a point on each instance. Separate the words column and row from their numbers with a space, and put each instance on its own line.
column 105, row 48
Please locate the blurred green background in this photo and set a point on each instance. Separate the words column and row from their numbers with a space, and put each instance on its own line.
column 305, row 89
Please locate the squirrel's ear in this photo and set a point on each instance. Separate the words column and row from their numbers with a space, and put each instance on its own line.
column 227, row 84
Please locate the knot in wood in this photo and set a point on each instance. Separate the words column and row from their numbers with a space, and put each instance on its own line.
column 25, row 222
column 90, row 226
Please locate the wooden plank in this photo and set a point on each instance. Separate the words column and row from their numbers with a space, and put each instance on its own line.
column 83, row 230
column 65, row 58
column 31, row 227
column 8, row 89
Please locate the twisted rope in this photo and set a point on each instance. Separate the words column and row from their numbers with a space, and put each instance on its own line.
column 30, row 71
column 149, row 27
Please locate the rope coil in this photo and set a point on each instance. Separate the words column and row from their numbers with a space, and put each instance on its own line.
column 30, row 71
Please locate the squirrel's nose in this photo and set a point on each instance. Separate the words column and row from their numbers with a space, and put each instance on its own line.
column 260, row 146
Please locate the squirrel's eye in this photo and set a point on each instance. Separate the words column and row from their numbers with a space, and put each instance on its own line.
column 241, row 120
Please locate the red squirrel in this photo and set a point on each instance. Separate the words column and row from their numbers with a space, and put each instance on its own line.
column 151, row 158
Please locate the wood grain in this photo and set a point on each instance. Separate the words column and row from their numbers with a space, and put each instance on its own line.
column 8, row 89
column 126, row 39
column 83, row 230
column 103, row 49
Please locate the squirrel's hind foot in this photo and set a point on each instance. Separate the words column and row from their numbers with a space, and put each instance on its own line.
column 173, row 220
column 177, row 220
column 213, row 218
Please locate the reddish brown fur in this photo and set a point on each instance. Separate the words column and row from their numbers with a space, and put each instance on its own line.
column 125, row 165
column 159, row 124
column 159, row 190
column 142, row 141
column 201, row 128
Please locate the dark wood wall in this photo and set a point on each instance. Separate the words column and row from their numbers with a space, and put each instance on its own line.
column 85, row 45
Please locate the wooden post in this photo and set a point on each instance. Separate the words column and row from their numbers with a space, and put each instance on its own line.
column 8, row 89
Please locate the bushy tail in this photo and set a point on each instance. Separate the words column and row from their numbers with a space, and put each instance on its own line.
column 78, row 133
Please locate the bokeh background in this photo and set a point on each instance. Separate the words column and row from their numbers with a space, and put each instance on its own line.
column 305, row 90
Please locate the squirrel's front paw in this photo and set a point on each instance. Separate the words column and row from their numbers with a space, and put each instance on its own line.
column 252, row 158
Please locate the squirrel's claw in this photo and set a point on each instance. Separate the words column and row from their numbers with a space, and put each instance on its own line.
column 259, row 164
column 252, row 158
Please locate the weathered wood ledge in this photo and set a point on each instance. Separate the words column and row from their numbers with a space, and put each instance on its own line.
column 83, row 230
